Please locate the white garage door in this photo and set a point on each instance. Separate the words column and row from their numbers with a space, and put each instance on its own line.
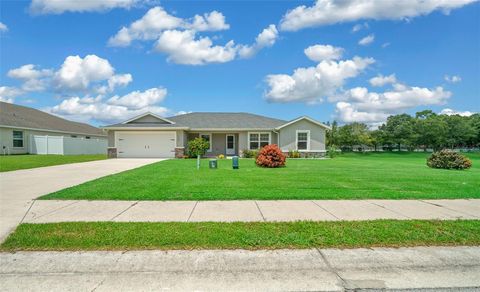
column 145, row 144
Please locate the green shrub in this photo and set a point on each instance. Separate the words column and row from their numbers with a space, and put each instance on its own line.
column 197, row 146
column 294, row 154
column 332, row 151
column 250, row 153
column 448, row 159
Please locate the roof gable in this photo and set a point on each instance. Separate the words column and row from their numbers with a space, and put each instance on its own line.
column 148, row 118
column 307, row 119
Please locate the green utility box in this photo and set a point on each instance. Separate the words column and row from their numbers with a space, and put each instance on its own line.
column 235, row 162
column 212, row 163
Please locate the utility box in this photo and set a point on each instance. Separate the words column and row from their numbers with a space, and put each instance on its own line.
column 212, row 163
column 235, row 162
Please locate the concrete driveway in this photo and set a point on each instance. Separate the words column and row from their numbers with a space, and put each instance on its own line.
column 19, row 188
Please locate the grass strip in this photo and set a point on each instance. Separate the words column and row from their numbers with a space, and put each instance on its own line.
column 16, row 162
column 241, row 235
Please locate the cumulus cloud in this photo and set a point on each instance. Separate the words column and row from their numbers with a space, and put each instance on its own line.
column 78, row 73
column 33, row 79
column 318, row 53
column 381, row 80
column 157, row 20
column 312, row 84
column 90, row 74
column 367, row 40
column 182, row 47
column 451, row 112
column 360, row 105
column 326, row 12
column 8, row 93
column 114, row 109
column 3, row 27
column 140, row 99
column 266, row 38
column 452, row 79
column 61, row 6
column 179, row 38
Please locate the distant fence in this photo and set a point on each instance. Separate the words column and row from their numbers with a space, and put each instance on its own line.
column 66, row 145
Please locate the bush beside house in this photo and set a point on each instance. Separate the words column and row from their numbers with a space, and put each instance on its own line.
column 271, row 156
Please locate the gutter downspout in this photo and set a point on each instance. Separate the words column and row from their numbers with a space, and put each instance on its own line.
column 278, row 138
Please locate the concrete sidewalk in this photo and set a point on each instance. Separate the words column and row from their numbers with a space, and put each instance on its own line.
column 432, row 268
column 43, row 211
column 19, row 188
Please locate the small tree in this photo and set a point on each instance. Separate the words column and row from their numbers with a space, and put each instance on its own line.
column 197, row 147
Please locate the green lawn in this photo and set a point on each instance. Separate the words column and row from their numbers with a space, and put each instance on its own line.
column 15, row 162
column 350, row 176
column 258, row 235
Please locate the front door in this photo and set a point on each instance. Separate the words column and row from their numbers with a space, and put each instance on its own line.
column 230, row 145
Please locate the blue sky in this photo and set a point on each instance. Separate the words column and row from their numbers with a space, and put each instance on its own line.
column 421, row 61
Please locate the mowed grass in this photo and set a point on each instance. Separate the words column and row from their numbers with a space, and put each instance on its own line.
column 15, row 162
column 349, row 176
column 258, row 235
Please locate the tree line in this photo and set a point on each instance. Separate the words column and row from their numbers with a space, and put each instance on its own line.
column 426, row 130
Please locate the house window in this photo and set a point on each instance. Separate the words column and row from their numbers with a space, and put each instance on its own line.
column 73, row 136
column 18, row 139
column 208, row 138
column 87, row 137
column 258, row 140
column 303, row 138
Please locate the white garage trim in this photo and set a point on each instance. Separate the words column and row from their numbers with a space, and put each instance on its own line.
column 146, row 144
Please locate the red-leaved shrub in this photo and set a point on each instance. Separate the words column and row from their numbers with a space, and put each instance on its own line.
column 271, row 156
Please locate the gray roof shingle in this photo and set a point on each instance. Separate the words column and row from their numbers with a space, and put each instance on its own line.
column 226, row 121
column 212, row 120
column 24, row 117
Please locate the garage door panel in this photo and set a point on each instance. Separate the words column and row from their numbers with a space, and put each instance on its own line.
column 146, row 144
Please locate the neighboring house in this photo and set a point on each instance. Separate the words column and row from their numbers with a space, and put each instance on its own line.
column 27, row 130
column 149, row 135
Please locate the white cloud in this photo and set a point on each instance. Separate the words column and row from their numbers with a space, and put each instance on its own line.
column 140, row 99
column 359, row 27
column 360, row 105
column 367, row 40
column 318, row 53
column 266, row 38
column 451, row 112
column 114, row 109
column 182, row 48
column 3, row 27
column 33, row 79
column 76, row 73
column 61, row 6
column 8, row 94
column 452, row 79
column 384, row 45
column 157, row 20
column 326, row 12
column 312, row 84
column 179, row 38
column 213, row 21
column 381, row 80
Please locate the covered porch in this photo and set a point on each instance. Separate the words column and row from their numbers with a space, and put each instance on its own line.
column 226, row 143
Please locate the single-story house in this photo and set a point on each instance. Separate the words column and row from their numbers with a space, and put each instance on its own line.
column 27, row 130
column 149, row 135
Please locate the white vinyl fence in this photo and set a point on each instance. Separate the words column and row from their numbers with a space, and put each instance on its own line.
column 66, row 145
